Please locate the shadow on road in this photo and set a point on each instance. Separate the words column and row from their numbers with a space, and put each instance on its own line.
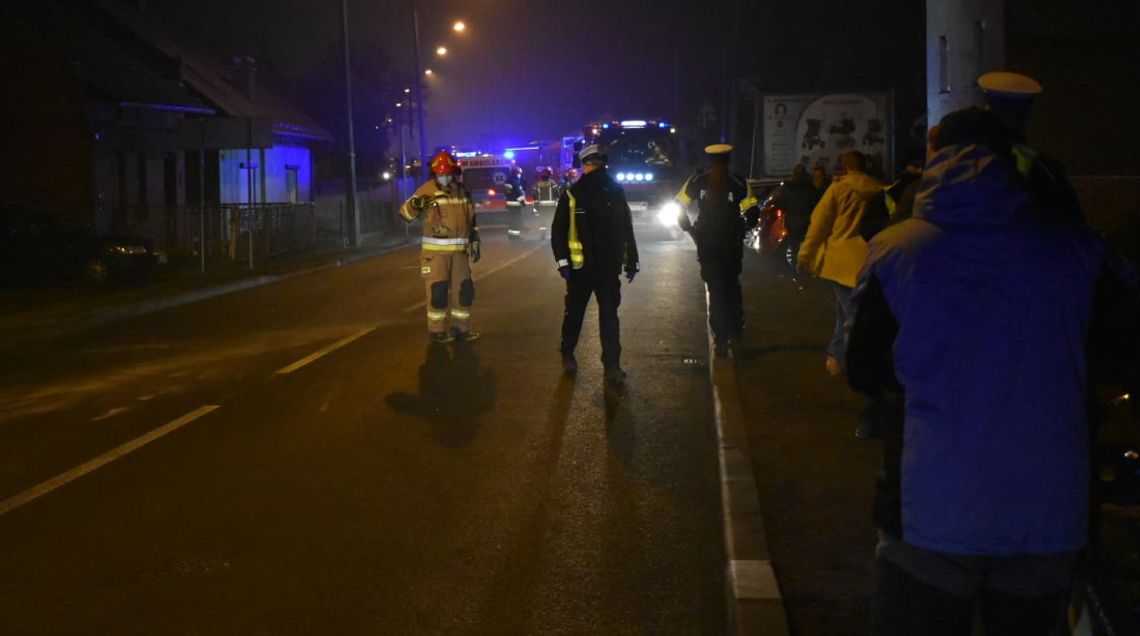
column 456, row 390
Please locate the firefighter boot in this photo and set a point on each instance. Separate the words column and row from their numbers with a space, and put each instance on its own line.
column 465, row 336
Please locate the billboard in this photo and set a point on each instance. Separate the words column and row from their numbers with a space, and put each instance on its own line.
column 816, row 129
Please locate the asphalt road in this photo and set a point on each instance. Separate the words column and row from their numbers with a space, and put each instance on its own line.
column 816, row 481
column 296, row 458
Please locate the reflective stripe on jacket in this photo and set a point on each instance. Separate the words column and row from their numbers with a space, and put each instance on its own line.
column 448, row 215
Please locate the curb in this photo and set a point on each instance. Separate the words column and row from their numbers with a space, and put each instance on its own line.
column 755, row 604
column 159, row 304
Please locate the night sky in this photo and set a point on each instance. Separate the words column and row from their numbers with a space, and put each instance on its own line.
column 527, row 70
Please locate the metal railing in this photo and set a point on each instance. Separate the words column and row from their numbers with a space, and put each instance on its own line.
column 236, row 233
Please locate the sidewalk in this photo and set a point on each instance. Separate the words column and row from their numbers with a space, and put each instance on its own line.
column 28, row 315
column 815, row 480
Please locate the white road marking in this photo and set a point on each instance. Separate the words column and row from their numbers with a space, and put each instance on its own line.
column 35, row 492
column 327, row 350
column 111, row 413
column 422, row 303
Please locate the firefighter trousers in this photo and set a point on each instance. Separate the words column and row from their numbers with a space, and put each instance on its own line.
column 450, row 291
column 515, row 223
column 607, row 290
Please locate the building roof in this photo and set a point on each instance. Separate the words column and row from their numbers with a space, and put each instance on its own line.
column 215, row 82
column 103, row 61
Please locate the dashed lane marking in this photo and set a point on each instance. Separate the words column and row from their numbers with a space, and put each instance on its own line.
column 327, row 350
column 111, row 413
column 63, row 479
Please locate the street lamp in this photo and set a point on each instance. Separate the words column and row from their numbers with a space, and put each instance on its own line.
column 459, row 26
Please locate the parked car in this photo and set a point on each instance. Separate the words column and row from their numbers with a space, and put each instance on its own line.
column 39, row 252
column 769, row 234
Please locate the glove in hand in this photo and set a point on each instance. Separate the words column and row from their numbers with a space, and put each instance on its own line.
column 564, row 272
column 476, row 251
column 629, row 274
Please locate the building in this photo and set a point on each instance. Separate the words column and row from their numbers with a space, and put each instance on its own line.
column 128, row 130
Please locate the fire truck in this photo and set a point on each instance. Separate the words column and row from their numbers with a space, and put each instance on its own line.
column 645, row 157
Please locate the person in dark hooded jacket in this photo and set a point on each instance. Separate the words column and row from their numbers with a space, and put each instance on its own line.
column 974, row 321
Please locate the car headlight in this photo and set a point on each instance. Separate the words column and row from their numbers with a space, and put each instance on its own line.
column 621, row 176
column 668, row 214
column 649, row 176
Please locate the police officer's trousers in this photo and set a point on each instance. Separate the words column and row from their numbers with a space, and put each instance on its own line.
column 721, row 260
column 450, row 291
column 607, row 290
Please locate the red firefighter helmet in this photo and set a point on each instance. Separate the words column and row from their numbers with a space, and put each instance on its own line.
column 572, row 174
column 443, row 163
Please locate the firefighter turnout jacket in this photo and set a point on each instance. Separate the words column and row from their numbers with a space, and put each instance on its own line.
column 593, row 227
column 545, row 193
column 448, row 216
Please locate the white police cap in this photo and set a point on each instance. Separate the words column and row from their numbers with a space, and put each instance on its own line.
column 1009, row 85
column 718, row 149
column 593, row 151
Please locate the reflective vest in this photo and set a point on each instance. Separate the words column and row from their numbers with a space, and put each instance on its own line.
column 577, row 257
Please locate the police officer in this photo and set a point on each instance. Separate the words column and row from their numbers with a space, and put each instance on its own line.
column 545, row 200
column 1010, row 96
column 727, row 208
column 515, row 191
column 450, row 244
column 592, row 239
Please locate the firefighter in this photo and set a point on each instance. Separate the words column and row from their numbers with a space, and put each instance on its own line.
column 545, row 200
column 450, row 245
column 592, row 239
column 515, row 190
column 727, row 209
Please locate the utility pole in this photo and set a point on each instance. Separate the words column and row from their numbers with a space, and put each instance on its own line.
column 419, row 97
column 354, row 223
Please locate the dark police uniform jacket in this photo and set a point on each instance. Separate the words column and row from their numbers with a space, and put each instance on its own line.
column 720, row 219
column 593, row 227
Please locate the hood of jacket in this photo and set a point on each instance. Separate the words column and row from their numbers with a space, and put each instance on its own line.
column 969, row 185
column 861, row 183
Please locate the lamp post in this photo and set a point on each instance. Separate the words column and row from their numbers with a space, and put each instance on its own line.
column 350, row 199
column 419, row 83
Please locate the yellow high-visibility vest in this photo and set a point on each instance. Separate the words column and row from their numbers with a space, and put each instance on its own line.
column 577, row 257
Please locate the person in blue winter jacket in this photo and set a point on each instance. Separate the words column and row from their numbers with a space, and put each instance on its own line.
column 975, row 321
